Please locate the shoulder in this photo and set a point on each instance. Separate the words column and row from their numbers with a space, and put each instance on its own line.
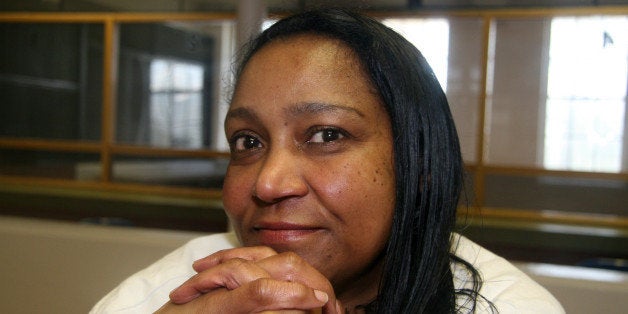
column 148, row 289
column 503, row 284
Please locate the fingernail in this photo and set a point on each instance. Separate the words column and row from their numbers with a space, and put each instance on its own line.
column 173, row 292
column 321, row 296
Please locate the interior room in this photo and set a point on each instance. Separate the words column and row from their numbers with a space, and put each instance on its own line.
column 112, row 149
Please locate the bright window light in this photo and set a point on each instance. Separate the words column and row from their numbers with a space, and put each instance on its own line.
column 585, row 109
column 176, row 104
column 431, row 37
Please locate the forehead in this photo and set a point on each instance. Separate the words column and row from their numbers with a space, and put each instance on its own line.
column 304, row 49
column 301, row 65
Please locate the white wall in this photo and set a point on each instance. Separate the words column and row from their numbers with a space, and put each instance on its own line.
column 519, row 90
column 54, row 267
column 583, row 290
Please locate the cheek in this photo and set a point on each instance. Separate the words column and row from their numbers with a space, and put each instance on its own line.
column 376, row 191
column 235, row 194
column 361, row 192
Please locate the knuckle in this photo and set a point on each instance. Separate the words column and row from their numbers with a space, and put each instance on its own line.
column 239, row 271
column 292, row 260
column 292, row 263
column 260, row 252
column 265, row 250
column 262, row 291
column 236, row 263
column 219, row 256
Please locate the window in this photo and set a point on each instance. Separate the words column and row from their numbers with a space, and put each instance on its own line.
column 102, row 116
column 586, row 101
column 176, row 105
column 431, row 37
column 127, row 108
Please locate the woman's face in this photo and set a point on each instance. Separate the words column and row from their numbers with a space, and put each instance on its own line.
column 311, row 168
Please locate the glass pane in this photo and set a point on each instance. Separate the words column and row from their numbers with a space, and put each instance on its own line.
column 51, row 80
column 176, row 120
column 170, row 92
column 559, row 94
column 431, row 37
column 47, row 164
column 555, row 193
column 188, row 172
column 587, row 81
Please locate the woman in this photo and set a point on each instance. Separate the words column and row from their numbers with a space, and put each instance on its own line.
column 342, row 188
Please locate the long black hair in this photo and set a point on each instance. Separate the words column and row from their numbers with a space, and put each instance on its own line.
column 427, row 159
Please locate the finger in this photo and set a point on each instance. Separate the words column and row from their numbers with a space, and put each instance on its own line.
column 263, row 295
column 267, row 294
column 230, row 274
column 291, row 267
column 247, row 253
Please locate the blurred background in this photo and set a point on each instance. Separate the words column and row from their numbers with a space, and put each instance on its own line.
column 112, row 151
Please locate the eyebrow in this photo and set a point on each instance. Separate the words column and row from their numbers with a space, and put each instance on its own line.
column 319, row 107
column 300, row 109
column 241, row 113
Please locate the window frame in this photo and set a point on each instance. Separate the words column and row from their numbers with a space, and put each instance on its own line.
column 107, row 147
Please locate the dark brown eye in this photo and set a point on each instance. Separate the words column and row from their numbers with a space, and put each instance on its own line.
column 326, row 135
column 246, row 142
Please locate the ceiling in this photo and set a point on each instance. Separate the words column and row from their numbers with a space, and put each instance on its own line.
column 277, row 5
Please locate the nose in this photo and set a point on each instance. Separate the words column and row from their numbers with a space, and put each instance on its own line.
column 280, row 177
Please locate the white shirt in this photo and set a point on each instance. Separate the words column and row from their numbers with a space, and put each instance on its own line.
column 509, row 289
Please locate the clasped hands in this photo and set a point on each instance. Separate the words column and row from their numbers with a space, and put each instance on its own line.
column 253, row 280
